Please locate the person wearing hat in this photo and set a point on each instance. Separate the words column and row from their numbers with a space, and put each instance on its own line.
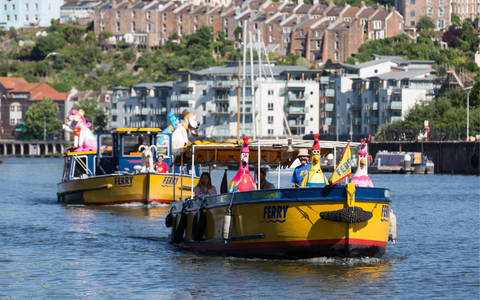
column 302, row 169
column 161, row 166
column 264, row 184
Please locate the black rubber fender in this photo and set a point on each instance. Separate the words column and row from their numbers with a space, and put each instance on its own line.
column 179, row 227
column 169, row 220
column 198, row 225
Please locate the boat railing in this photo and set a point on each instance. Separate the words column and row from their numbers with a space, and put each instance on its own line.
column 82, row 164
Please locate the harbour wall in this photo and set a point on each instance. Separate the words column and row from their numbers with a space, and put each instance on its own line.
column 31, row 148
column 448, row 157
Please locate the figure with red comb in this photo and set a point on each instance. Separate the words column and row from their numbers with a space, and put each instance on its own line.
column 243, row 181
column 361, row 175
column 315, row 176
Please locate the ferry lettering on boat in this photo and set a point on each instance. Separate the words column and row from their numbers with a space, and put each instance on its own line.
column 167, row 181
column 124, row 180
column 344, row 167
column 275, row 212
column 385, row 213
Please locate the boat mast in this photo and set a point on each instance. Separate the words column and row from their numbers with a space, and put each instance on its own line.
column 244, row 67
column 259, row 52
column 252, row 79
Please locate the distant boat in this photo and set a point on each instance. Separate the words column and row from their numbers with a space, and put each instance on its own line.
column 420, row 163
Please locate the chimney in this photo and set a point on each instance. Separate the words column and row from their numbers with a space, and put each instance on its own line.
column 330, row 3
column 362, row 4
column 103, row 89
column 114, row 3
column 378, row 5
column 300, row 2
column 315, row 2
column 299, row 19
column 386, row 6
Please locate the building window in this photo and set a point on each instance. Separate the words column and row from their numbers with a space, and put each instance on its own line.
column 26, row 6
column 412, row 23
column 36, row 6
column 164, row 17
column 118, row 26
column 133, row 26
column 270, row 131
column 429, row 2
column 102, row 15
column 440, row 2
column 195, row 28
column 133, row 14
column 336, row 35
column 195, row 19
column 102, row 26
column 301, row 32
column 226, row 32
column 270, row 106
column 148, row 15
column 180, row 19
column 287, row 40
column 270, row 28
column 164, row 28
column 149, row 27
column 204, row 120
column 336, row 45
column 36, row 17
column 318, row 44
column 211, row 29
column 270, row 119
column 225, row 22
column 180, row 30
column 317, row 33
column 440, row 12
column 412, row 1
column 118, row 14
column 270, row 92
column 270, row 38
column 5, row 7
column 12, row 121
column 49, row 7
column 26, row 17
column 204, row 92
column 15, row 18
column 412, row 13
column 430, row 12
column 255, row 26
column 204, row 107
column 377, row 24
column 211, row 20
column 336, row 55
column 13, row 6
column 8, row 17
column 400, row 26
column 441, row 23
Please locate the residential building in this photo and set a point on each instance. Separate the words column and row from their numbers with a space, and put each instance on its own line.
column 25, row 13
column 412, row 10
column 465, row 9
column 80, row 11
column 212, row 94
column 378, row 92
column 16, row 97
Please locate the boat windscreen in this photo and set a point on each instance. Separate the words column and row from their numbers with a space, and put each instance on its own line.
column 132, row 143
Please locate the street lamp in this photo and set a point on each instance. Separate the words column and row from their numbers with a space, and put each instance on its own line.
column 468, row 108
column 336, row 125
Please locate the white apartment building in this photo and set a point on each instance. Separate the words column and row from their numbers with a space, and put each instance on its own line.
column 378, row 92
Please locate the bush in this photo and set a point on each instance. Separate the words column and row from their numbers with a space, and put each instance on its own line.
column 128, row 56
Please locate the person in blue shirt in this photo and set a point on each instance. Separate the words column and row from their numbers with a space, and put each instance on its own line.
column 302, row 169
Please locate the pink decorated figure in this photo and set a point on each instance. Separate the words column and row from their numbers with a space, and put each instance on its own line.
column 361, row 175
column 84, row 138
column 243, row 181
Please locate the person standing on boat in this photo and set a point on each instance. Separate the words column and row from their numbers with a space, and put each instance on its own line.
column 302, row 169
column 264, row 184
column 162, row 167
column 204, row 186
column 136, row 148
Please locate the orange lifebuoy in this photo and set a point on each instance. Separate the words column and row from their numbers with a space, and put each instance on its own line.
column 427, row 129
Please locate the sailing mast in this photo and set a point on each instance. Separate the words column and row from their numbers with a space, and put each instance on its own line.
column 244, row 67
column 252, row 81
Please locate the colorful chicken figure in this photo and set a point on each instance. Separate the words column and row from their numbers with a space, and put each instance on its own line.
column 315, row 176
column 84, row 138
column 361, row 175
column 243, row 181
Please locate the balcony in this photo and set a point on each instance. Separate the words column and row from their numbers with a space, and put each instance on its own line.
column 187, row 97
column 220, row 99
column 113, row 112
column 113, row 124
column 325, row 79
column 327, row 106
column 395, row 118
column 354, row 106
column 140, row 111
column 224, row 83
column 357, row 121
column 396, row 105
column 158, row 111
column 373, row 120
column 189, row 109
column 297, row 110
column 374, row 106
column 330, row 92
column 328, row 121
column 248, row 109
column 294, row 97
column 294, row 123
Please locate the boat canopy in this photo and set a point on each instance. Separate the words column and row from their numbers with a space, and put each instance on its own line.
column 272, row 152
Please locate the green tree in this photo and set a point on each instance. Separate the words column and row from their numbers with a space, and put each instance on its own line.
column 13, row 33
column 475, row 93
column 34, row 118
column 302, row 61
column 425, row 23
column 93, row 114
column 469, row 41
column 105, row 35
column 46, row 45
column 455, row 20
column 238, row 33
column 128, row 55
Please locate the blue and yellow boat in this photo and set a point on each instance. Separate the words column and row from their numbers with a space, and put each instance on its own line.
column 291, row 223
column 113, row 175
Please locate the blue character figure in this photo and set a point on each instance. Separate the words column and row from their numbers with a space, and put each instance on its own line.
column 174, row 121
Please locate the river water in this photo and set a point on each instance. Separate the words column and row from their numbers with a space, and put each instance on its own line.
column 50, row 250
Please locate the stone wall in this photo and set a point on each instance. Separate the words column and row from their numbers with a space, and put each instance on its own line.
column 449, row 157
